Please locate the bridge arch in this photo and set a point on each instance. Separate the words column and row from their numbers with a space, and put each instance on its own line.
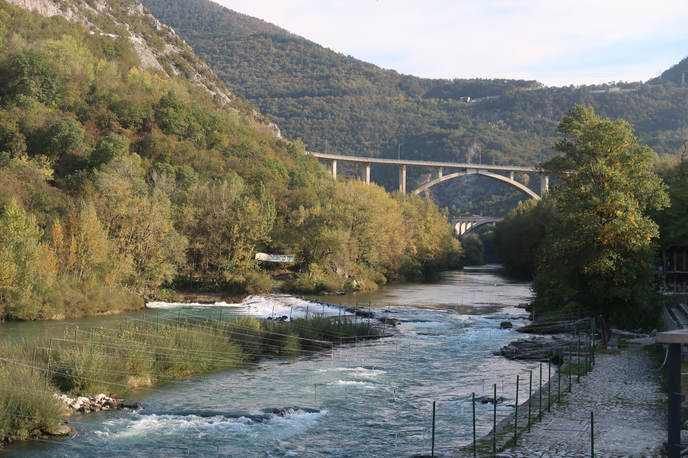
column 467, row 225
column 504, row 179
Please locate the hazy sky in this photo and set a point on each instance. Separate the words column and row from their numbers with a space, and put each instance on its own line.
column 557, row 42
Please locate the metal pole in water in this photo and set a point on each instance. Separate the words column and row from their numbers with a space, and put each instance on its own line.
column 315, row 393
column 530, row 397
column 516, row 414
column 432, row 448
column 494, row 423
column 159, row 320
column 475, row 446
column 34, row 362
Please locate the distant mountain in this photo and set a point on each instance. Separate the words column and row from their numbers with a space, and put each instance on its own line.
column 339, row 104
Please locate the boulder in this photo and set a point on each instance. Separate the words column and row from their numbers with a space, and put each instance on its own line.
column 64, row 430
column 131, row 405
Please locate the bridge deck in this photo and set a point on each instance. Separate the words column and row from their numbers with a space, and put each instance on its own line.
column 446, row 165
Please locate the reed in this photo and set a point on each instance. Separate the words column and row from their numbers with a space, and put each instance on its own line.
column 136, row 353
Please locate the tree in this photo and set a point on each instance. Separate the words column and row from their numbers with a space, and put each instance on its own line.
column 518, row 237
column 599, row 251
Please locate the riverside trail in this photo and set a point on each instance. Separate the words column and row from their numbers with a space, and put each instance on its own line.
column 623, row 391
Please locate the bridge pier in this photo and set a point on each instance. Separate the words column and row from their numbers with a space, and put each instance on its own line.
column 402, row 178
column 544, row 183
column 438, row 173
column 332, row 168
column 510, row 175
column 365, row 173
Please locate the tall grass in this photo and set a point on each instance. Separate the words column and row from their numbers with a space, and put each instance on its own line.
column 140, row 353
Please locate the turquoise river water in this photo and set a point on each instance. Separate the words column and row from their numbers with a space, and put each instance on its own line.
column 373, row 399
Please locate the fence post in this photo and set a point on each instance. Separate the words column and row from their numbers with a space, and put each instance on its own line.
column 592, row 435
column 587, row 349
column 570, row 362
column 475, row 445
column 432, row 449
column 516, row 414
column 578, row 359
column 593, row 341
column 494, row 423
column 540, row 413
column 559, row 387
column 530, row 397
column 549, row 386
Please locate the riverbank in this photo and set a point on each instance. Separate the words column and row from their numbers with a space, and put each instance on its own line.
column 141, row 353
column 623, row 393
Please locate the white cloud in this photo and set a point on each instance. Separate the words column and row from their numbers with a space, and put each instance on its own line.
column 557, row 42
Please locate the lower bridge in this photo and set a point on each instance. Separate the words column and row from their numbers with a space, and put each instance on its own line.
column 467, row 225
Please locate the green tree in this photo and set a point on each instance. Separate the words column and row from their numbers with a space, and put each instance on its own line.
column 599, row 252
column 109, row 148
column 518, row 237
column 673, row 221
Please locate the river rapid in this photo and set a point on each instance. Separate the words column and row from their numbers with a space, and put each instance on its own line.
column 373, row 399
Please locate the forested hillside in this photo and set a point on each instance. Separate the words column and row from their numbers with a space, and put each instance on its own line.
column 126, row 167
column 339, row 104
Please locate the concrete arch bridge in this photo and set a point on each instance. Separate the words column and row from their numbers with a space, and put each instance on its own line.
column 503, row 173
column 467, row 225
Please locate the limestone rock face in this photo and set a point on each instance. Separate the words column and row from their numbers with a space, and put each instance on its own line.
column 77, row 11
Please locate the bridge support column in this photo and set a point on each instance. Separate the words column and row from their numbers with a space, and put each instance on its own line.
column 365, row 173
column 544, row 183
column 438, row 173
column 510, row 175
column 402, row 178
column 332, row 168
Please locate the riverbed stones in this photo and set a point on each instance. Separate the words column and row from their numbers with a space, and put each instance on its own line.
column 538, row 348
column 64, row 430
column 95, row 403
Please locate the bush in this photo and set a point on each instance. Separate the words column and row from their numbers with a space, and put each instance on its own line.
column 257, row 283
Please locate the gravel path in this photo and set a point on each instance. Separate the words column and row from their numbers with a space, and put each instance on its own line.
column 630, row 413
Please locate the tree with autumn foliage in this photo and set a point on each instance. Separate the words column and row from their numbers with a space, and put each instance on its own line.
column 598, row 255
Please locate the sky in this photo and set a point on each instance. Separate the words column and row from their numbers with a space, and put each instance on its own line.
column 557, row 42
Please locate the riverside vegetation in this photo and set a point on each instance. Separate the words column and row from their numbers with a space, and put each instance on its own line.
column 128, row 169
column 141, row 353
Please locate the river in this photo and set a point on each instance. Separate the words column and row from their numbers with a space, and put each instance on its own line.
column 373, row 399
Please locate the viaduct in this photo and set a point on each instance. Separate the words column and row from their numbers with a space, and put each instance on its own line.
column 464, row 225
column 503, row 173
